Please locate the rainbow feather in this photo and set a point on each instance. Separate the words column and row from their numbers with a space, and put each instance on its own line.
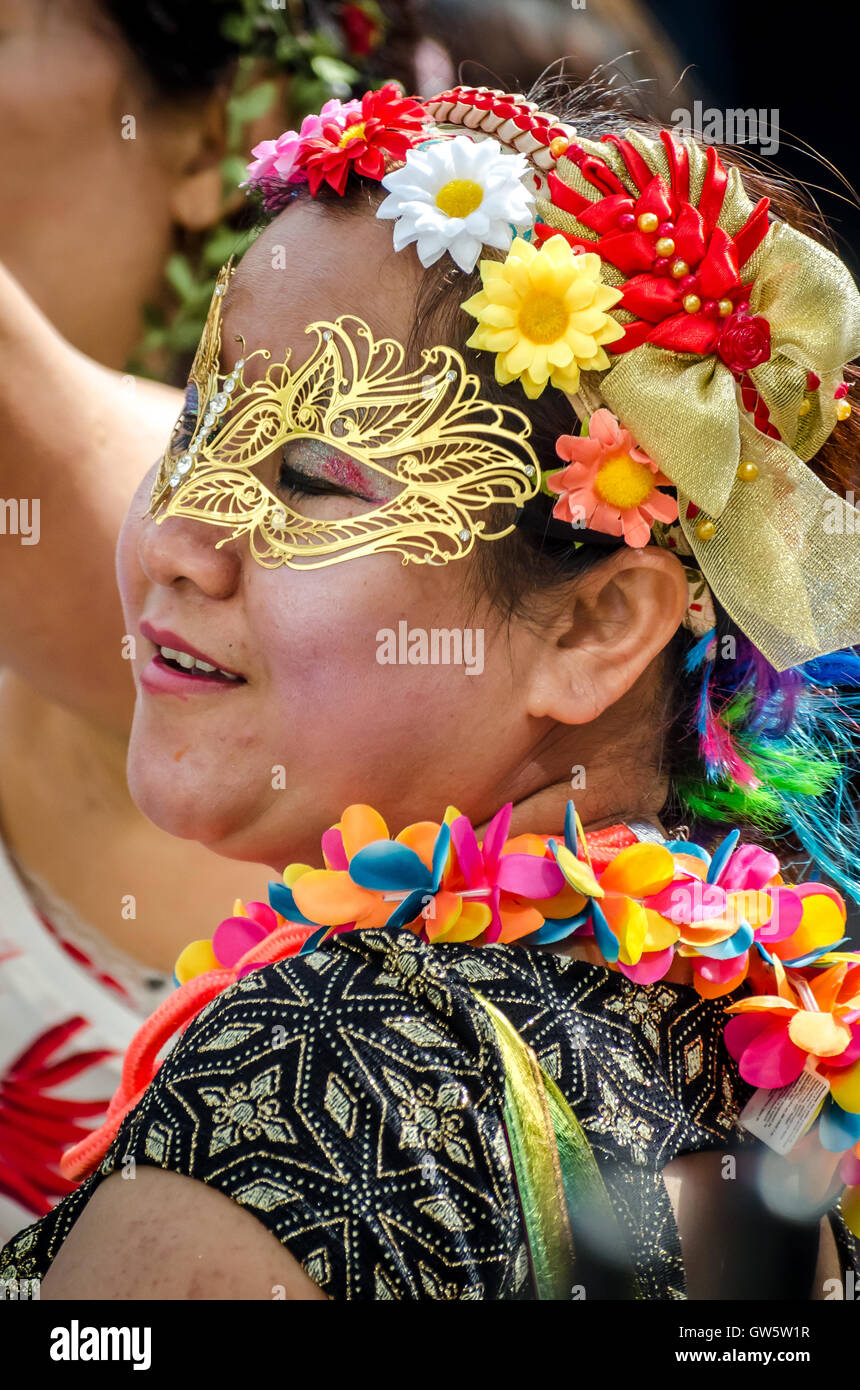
column 779, row 750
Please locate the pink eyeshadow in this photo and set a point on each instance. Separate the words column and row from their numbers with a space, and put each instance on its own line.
column 346, row 472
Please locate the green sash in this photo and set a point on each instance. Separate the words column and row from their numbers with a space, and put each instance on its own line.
column 559, row 1183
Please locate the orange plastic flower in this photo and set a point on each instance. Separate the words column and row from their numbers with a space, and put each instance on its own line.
column 610, row 485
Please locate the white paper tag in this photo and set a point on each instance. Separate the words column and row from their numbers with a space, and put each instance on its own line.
column 781, row 1116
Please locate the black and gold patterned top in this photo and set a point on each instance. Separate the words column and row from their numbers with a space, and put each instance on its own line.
column 352, row 1100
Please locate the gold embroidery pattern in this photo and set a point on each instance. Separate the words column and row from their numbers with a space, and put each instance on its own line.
column 245, row 1113
column 369, row 1141
column 431, row 1120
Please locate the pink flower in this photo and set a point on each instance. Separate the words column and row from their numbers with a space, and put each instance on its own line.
column 235, row 936
column 610, row 485
column 276, row 159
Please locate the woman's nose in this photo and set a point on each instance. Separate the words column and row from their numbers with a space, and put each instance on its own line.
column 180, row 548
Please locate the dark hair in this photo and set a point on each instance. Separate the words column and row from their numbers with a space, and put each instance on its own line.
column 521, row 572
column 186, row 48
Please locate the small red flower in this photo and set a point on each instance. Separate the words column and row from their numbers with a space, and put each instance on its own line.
column 389, row 124
column 361, row 29
column 744, row 342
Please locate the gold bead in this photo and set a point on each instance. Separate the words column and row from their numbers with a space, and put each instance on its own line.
column 679, row 269
column 747, row 472
column 692, row 303
column 558, row 146
column 805, row 408
column 843, row 410
column 705, row 529
column 647, row 221
column 725, row 307
column 664, row 246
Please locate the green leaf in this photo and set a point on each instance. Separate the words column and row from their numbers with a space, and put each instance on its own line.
column 239, row 29
column 184, row 336
column 234, row 170
column 153, row 316
column 333, row 71
column 251, row 105
column 307, row 95
column 179, row 276
column 220, row 246
column 287, row 50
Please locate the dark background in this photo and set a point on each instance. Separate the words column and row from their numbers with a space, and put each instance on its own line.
column 801, row 60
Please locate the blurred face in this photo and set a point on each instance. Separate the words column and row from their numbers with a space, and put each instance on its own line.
column 86, row 211
column 311, row 707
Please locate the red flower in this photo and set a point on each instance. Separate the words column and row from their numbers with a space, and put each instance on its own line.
column 683, row 269
column 389, row 125
column 361, row 30
column 744, row 342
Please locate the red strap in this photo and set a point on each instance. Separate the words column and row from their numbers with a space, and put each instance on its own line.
column 604, row 844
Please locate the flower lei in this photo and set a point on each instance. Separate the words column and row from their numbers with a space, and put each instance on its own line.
column 729, row 913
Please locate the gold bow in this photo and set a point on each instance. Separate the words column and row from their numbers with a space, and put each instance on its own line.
column 784, row 558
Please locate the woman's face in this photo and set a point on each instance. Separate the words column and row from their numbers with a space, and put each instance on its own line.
column 91, row 173
column 258, row 768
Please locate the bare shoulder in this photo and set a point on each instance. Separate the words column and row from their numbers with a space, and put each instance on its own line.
column 166, row 1236
column 733, row 1247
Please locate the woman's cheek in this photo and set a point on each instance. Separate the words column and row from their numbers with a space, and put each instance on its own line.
column 130, row 576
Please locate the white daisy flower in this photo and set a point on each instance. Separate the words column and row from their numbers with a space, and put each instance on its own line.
column 458, row 196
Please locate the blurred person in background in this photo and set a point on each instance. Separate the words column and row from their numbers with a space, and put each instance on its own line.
column 121, row 122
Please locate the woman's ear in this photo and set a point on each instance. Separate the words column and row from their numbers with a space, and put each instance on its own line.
column 196, row 151
column 200, row 198
column 616, row 619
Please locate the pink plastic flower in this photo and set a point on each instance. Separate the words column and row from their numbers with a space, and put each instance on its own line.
column 235, row 936
column 276, row 159
column 610, row 485
column 775, row 1034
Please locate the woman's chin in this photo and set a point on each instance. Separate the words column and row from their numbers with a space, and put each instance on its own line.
column 197, row 808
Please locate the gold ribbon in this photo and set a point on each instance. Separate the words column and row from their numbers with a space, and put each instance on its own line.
column 784, row 560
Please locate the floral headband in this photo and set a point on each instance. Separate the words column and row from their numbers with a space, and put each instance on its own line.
column 701, row 344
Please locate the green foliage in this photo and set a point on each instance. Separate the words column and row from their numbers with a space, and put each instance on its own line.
column 319, row 69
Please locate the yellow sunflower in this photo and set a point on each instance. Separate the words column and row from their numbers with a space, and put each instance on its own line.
column 543, row 313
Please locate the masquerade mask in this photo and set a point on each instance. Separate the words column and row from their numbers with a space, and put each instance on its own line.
column 422, row 442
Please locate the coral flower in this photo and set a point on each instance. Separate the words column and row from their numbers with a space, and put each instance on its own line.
column 386, row 126
column 778, row 1033
column 543, row 313
column 609, row 484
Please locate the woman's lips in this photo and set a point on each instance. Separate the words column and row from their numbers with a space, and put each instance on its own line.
column 160, row 678
column 180, row 667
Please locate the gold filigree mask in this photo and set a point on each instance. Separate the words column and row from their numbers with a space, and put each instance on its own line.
column 437, row 453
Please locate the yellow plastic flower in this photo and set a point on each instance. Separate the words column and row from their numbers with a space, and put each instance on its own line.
column 543, row 313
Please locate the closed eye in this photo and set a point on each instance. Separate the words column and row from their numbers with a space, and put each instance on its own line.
column 297, row 484
column 326, row 473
